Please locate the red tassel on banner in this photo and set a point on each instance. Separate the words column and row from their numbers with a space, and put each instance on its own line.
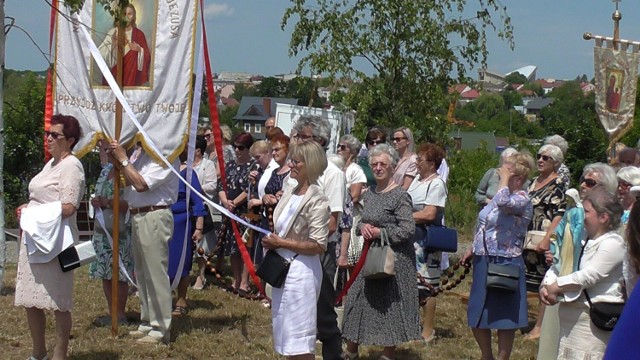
column 48, row 97
column 217, row 135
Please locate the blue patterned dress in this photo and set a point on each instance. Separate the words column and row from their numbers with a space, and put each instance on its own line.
column 101, row 268
column 237, row 183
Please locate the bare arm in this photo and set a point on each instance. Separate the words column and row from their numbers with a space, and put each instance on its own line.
column 425, row 216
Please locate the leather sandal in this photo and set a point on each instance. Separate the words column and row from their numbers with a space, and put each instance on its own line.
column 179, row 311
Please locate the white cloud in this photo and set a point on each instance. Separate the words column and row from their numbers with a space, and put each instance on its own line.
column 218, row 10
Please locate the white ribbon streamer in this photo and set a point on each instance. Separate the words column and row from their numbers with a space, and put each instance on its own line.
column 120, row 96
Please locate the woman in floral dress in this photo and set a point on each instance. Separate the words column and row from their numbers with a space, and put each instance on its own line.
column 234, row 199
column 101, row 268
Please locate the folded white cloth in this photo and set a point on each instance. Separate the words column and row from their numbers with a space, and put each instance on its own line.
column 46, row 234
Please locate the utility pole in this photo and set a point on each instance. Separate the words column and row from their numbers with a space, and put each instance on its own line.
column 3, row 240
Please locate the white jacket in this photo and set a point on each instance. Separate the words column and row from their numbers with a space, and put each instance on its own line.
column 45, row 233
column 599, row 272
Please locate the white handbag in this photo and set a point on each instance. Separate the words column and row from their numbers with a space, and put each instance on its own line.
column 533, row 238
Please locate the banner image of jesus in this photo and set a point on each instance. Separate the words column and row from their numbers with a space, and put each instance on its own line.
column 614, row 90
column 137, row 57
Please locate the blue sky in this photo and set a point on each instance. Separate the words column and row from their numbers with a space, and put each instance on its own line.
column 245, row 35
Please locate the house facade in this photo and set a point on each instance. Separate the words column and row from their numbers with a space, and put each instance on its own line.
column 254, row 111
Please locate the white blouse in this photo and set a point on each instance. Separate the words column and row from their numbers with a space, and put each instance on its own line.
column 600, row 271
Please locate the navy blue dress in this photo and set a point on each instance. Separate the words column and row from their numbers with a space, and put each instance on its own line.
column 182, row 221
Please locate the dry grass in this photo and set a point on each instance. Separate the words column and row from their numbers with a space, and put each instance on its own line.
column 218, row 326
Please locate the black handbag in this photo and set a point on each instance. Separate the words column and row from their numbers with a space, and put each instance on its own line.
column 274, row 268
column 501, row 277
column 604, row 315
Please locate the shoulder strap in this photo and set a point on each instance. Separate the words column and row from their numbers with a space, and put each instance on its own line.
column 586, row 294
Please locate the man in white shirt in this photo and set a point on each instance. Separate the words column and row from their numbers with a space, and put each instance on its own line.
column 151, row 190
column 333, row 184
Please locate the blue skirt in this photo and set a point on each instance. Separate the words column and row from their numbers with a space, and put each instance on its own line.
column 494, row 309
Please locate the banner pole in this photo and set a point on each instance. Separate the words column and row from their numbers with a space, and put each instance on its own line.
column 115, row 249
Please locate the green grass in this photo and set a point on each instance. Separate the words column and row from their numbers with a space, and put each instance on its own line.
column 218, row 326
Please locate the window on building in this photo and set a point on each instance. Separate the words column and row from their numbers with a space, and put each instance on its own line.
column 247, row 127
column 258, row 128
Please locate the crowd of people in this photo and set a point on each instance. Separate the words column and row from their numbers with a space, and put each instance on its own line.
column 573, row 247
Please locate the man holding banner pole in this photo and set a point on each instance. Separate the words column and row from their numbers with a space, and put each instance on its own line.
column 151, row 190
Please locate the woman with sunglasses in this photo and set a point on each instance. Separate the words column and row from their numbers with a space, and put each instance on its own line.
column 406, row 169
column 547, row 194
column 41, row 284
column 234, row 199
column 374, row 137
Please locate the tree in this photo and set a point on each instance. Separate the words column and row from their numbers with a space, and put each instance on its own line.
column 511, row 98
column 241, row 90
column 536, row 88
column 515, row 78
column 407, row 45
column 270, row 87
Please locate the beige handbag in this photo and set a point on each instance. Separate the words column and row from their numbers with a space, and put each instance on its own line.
column 533, row 238
column 381, row 259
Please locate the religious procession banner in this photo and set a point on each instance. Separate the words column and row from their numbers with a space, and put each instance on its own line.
column 616, row 81
column 156, row 71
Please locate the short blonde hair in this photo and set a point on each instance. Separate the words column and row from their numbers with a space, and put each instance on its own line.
column 260, row 147
column 313, row 156
column 227, row 135
column 522, row 163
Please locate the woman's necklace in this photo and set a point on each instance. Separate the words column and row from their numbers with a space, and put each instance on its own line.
column 432, row 176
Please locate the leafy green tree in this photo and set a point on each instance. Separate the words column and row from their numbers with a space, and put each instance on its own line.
column 241, row 90
column 511, row 98
column 23, row 147
column 270, row 87
column 489, row 105
column 536, row 88
column 406, row 45
column 572, row 115
column 515, row 78
column 305, row 90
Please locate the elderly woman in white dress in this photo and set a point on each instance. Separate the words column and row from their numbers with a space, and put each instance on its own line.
column 43, row 286
column 301, row 230
column 598, row 278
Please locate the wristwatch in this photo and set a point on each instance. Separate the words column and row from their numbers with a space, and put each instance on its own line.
column 124, row 162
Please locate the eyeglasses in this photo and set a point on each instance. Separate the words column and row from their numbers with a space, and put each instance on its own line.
column 419, row 159
column 239, row 147
column 375, row 142
column 299, row 137
column 379, row 164
column 342, row 147
column 624, row 184
column 207, row 136
column 588, row 182
column 53, row 134
column 276, row 149
column 544, row 157
column 398, row 139
column 293, row 162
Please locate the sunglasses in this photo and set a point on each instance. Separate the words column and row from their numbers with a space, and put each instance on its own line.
column 207, row 136
column 589, row 182
column 276, row 149
column 294, row 162
column 623, row 184
column 398, row 139
column 544, row 157
column 53, row 134
column 375, row 142
column 299, row 137
column 239, row 147
column 342, row 147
